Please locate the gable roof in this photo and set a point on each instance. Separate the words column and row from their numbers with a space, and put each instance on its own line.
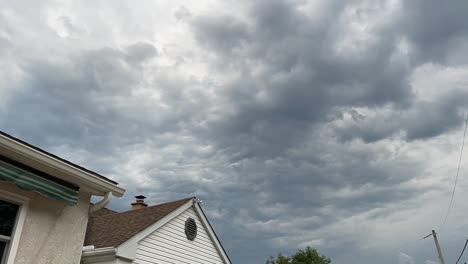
column 107, row 228
column 102, row 212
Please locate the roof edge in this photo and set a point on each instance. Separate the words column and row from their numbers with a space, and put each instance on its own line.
column 98, row 255
column 74, row 173
column 128, row 248
column 212, row 233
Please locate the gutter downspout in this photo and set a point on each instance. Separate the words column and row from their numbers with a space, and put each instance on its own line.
column 101, row 204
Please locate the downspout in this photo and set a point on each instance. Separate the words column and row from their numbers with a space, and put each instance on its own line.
column 101, row 204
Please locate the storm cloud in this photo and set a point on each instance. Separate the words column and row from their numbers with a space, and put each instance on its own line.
column 325, row 123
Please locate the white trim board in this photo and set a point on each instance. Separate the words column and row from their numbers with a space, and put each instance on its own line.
column 21, row 217
column 211, row 233
column 68, row 172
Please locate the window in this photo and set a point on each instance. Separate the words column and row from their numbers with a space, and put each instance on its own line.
column 13, row 210
column 8, row 215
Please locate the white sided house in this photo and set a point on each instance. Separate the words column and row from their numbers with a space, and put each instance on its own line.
column 176, row 232
column 45, row 204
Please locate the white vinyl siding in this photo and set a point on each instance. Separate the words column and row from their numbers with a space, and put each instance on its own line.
column 169, row 244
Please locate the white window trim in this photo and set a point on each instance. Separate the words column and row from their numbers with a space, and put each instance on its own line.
column 15, row 237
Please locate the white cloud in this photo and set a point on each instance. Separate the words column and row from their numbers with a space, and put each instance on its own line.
column 299, row 123
column 405, row 259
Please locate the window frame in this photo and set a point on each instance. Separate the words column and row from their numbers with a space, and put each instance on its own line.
column 23, row 203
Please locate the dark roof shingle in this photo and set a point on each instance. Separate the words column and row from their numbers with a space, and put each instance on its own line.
column 107, row 228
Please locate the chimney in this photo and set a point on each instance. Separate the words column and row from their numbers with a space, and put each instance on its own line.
column 139, row 203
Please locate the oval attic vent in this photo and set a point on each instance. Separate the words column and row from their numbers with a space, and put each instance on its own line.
column 190, row 229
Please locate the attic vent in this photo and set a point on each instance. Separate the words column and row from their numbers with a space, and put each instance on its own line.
column 190, row 229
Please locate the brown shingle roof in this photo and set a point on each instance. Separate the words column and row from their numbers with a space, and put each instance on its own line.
column 102, row 212
column 107, row 228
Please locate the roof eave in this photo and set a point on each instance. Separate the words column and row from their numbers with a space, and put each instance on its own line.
column 82, row 178
column 98, row 255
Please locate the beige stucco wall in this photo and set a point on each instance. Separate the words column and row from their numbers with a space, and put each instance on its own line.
column 53, row 233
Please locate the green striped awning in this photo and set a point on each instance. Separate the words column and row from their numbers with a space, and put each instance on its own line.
column 43, row 184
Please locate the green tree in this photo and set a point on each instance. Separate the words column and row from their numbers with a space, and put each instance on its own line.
column 307, row 256
column 279, row 260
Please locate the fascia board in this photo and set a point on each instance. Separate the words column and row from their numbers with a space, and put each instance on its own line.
column 128, row 248
column 211, row 233
column 69, row 173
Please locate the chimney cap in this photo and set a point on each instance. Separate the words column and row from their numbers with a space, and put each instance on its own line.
column 140, row 197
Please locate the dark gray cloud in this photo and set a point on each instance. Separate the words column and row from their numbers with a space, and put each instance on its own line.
column 293, row 81
column 221, row 33
column 68, row 95
column 424, row 119
column 302, row 79
column 139, row 52
column 299, row 123
column 437, row 30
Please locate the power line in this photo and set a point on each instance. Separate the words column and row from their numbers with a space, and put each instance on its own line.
column 456, row 177
column 411, row 242
column 433, row 234
column 427, row 236
column 463, row 251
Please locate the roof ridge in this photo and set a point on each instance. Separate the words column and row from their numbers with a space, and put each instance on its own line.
column 179, row 200
column 102, row 231
column 144, row 209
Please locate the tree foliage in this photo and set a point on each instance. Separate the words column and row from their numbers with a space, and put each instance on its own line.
column 307, row 256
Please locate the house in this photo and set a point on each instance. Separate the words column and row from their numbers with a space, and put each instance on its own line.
column 46, row 217
column 174, row 232
column 45, row 204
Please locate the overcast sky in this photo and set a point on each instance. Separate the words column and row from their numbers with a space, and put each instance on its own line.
column 334, row 124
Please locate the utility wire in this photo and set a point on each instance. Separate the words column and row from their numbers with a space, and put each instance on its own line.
column 463, row 251
column 456, row 177
column 452, row 196
column 404, row 245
